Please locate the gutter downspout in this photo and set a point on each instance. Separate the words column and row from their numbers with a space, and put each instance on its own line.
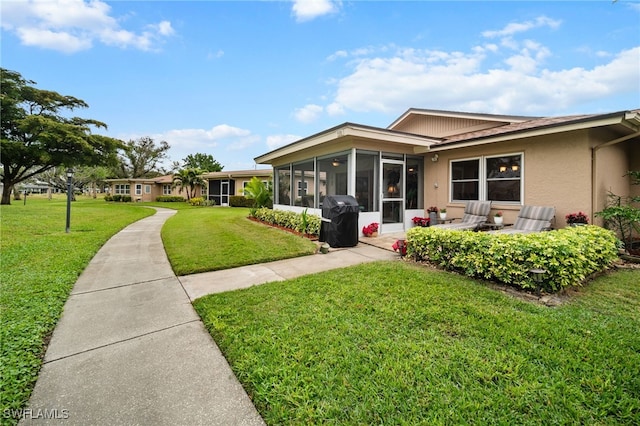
column 594, row 152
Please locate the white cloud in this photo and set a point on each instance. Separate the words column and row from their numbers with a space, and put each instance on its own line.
column 276, row 141
column 307, row 10
column 394, row 84
column 215, row 141
column 518, row 27
column 308, row 113
column 70, row 26
column 510, row 77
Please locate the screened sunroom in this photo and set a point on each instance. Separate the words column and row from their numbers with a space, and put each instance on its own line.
column 385, row 177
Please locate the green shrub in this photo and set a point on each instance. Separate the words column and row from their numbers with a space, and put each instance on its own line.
column 170, row 199
column 117, row 198
column 196, row 201
column 108, row 197
column 126, row 198
column 568, row 255
column 240, row 201
column 288, row 219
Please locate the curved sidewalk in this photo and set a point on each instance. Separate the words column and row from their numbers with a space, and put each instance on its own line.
column 130, row 349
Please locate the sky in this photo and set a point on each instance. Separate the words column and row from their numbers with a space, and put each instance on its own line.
column 237, row 79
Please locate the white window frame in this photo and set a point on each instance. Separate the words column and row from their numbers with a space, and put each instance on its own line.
column 482, row 177
column 122, row 189
column 138, row 189
column 166, row 189
column 302, row 188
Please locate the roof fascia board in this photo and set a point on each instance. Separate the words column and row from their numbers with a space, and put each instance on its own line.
column 347, row 130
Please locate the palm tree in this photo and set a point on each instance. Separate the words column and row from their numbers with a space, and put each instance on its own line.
column 259, row 192
column 188, row 179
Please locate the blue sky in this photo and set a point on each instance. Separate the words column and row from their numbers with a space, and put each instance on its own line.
column 238, row 79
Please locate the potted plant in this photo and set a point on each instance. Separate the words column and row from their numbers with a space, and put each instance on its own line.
column 421, row 221
column 497, row 218
column 577, row 219
column 443, row 214
column 371, row 230
column 433, row 214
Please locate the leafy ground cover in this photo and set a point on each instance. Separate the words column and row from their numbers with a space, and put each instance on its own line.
column 39, row 265
column 211, row 238
column 395, row 343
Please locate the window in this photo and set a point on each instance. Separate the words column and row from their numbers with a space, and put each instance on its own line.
column 147, row 189
column 303, row 187
column 138, row 189
column 283, row 183
column 303, row 175
column 496, row 178
column 367, row 173
column 166, row 189
column 122, row 189
column 465, row 180
column 332, row 176
column 414, row 183
column 503, row 178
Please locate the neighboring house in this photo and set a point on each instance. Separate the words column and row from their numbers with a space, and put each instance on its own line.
column 147, row 189
column 222, row 185
column 443, row 158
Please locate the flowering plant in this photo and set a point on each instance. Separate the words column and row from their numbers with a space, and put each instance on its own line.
column 443, row 210
column 420, row 221
column 400, row 246
column 433, row 209
column 370, row 229
column 498, row 214
column 579, row 217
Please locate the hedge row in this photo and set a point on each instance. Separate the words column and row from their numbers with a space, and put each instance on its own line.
column 118, row 198
column 170, row 199
column 240, row 201
column 288, row 219
column 568, row 255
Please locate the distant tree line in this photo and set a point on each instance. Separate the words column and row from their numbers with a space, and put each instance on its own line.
column 40, row 141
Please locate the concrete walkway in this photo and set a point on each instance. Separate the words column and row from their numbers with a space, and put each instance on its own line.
column 130, row 349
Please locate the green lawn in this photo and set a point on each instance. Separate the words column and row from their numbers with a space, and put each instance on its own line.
column 205, row 239
column 394, row 343
column 39, row 265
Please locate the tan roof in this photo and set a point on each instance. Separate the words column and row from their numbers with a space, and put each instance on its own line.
column 537, row 124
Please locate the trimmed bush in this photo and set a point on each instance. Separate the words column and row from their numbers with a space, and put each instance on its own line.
column 568, row 255
column 196, row 201
column 288, row 219
column 240, row 201
column 170, row 199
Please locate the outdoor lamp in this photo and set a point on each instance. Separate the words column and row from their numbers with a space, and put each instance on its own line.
column 538, row 276
column 69, row 189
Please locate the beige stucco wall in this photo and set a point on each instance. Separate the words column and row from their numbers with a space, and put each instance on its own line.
column 556, row 172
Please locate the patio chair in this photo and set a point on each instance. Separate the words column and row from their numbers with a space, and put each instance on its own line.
column 475, row 215
column 531, row 219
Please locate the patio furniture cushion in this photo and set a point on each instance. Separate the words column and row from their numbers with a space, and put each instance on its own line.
column 475, row 214
column 532, row 219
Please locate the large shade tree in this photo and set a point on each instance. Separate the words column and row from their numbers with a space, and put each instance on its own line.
column 204, row 162
column 37, row 134
column 142, row 158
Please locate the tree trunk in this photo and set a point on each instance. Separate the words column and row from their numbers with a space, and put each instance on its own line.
column 6, row 194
